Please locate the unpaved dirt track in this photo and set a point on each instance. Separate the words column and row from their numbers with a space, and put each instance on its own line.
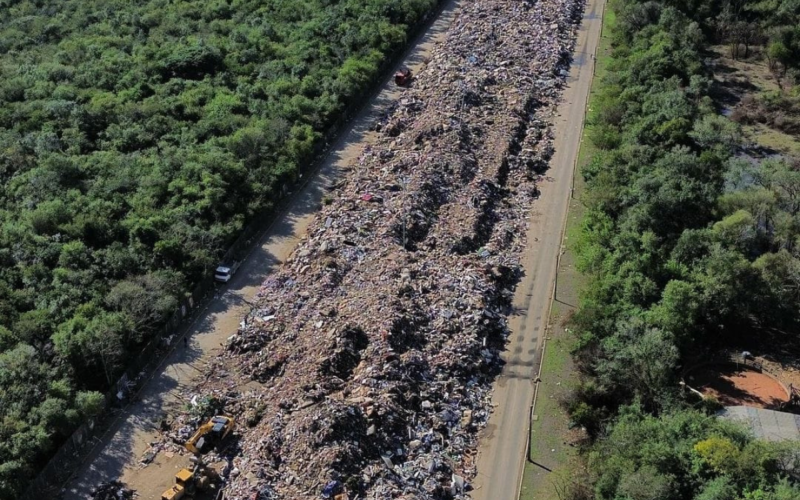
column 118, row 453
column 502, row 452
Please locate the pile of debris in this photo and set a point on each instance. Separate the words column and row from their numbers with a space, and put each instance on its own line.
column 112, row 490
column 376, row 344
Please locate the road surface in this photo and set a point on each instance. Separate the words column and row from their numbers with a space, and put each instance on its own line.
column 118, row 452
column 502, row 451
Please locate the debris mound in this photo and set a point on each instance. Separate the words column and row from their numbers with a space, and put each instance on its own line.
column 369, row 356
column 112, row 490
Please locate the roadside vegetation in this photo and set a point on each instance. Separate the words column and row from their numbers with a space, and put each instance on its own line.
column 690, row 243
column 136, row 141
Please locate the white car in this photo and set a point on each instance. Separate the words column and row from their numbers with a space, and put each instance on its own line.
column 223, row 274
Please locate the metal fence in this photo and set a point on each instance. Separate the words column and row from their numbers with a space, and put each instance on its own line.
column 723, row 356
column 76, row 449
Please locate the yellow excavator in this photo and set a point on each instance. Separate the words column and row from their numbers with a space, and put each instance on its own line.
column 189, row 481
column 209, row 435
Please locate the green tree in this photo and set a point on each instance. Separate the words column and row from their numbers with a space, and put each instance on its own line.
column 94, row 339
column 778, row 53
column 640, row 358
column 89, row 403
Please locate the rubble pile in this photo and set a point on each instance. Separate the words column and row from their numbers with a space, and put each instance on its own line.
column 174, row 435
column 112, row 490
column 377, row 342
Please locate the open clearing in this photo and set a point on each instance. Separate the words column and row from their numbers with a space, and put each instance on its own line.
column 737, row 386
column 739, row 78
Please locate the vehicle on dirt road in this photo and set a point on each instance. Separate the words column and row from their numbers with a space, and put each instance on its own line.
column 200, row 478
column 224, row 273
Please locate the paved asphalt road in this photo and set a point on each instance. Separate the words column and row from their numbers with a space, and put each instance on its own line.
column 117, row 454
column 502, row 453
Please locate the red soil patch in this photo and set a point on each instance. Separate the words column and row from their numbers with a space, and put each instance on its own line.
column 734, row 386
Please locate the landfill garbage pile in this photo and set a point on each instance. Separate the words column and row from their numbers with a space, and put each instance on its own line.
column 377, row 342
column 112, row 490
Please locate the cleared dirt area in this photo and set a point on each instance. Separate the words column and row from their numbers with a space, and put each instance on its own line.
column 742, row 76
column 736, row 386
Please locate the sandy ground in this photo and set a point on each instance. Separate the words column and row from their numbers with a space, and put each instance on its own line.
column 784, row 366
column 502, row 452
column 118, row 452
column 733, row 387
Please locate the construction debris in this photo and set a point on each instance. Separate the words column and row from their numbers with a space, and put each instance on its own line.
column 369, row 356
column 113, row 490
column 402, row 77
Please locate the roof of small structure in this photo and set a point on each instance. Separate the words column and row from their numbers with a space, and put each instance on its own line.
column 766, row 424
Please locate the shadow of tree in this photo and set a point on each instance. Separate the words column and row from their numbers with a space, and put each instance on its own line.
column 735, row 387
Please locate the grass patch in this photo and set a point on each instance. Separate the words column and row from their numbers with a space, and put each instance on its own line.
column 750, row 78
column 741, row 74
column 588, row 150
column 551, row 456
column 772, row 139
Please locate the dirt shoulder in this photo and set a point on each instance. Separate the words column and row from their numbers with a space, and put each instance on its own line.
column 501, row 459
column 118, row 452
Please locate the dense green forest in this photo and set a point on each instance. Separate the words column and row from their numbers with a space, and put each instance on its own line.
column 136, row 140
column 690, row 244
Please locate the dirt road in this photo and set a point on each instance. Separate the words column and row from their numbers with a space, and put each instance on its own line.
column 502, row 451
column 118, row 452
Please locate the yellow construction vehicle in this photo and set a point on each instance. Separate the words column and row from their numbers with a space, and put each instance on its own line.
column 210, row 435
column 188, row 483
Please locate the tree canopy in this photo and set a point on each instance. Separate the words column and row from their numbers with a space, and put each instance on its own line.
column 136, row 141
column 690, row 244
